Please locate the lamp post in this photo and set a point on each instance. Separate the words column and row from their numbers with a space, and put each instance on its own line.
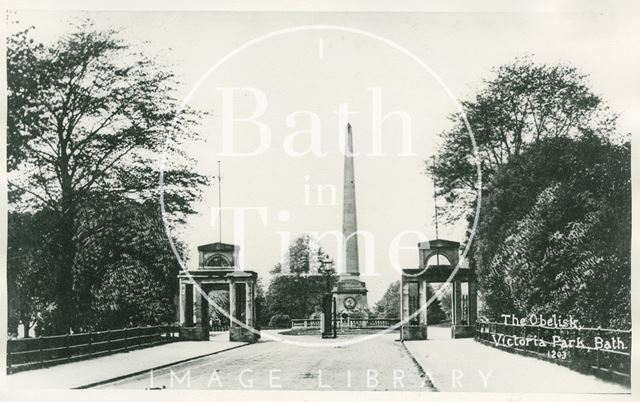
column 328, row 308
column 327, row 271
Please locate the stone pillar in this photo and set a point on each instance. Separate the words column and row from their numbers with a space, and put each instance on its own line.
column 473, row 302
column 423, row 302
column 457, row 303
column 232, row 303
column 198, row 308
column 205, row 311
column 402, row 313
column 254, row 311
column 188, row 304
column 248, row 304
column 183, row 304
column 405, row 300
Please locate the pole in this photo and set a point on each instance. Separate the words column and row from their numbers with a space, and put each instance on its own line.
column 435, row 205
column 219, row 205
column 435, row 197
column 401, row 310
column 334, row 312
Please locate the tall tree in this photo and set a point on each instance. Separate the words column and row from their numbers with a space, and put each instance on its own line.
column 297, row 288
column 88, row 118
column 554, row 236
column 29, row 275
column 522, row 104
column 389, row 305
column 555, row 185
column 262, row 309
column 129, row 272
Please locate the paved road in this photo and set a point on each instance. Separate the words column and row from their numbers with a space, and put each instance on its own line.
column 378, row 364
column 466, row 365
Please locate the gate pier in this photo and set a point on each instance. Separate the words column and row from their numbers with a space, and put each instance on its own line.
column 217, row 270
column 415, row 290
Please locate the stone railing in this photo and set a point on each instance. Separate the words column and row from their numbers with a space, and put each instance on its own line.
column 370, row 323
column 305, row 323
column 375, row 323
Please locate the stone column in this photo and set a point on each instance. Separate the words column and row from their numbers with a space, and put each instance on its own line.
column 248, row 286
column 405, row 300
column 254, row 314
column 232, row 302
column 457, row 302
column 402, row 315
column 188, row 304
column 204, row 307
column 423, row 302
column 183, row 304
column 473, row 302
column 198, row 307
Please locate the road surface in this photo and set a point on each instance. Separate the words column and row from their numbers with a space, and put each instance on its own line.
column 379, row 364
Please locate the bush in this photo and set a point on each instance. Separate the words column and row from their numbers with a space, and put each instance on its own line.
column 354, row 315
column 280, row 321
column 316, row 315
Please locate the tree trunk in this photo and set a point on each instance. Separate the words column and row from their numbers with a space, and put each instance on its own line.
column 25, row 324
column 66, row 236
column 67, row 251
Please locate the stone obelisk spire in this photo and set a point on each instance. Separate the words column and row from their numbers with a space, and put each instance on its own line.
column 350, row 293
column 349, row 219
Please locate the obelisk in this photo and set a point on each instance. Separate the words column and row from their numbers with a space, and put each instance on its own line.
column 349, row 218
column 350, row 292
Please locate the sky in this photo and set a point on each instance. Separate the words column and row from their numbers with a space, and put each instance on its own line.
column 306, row 74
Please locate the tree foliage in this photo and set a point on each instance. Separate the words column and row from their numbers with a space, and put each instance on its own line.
column 125, row 274
column 280, row 321
column 389, row 305
column 221, row 299
column 554, row 226
column 88, row 116
column 29, row 273
column 262, row 310
column 554, row 235
column 88, row 119
column 523, row 104
column 297, row 288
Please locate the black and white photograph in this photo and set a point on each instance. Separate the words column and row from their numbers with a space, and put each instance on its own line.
column 277, row 202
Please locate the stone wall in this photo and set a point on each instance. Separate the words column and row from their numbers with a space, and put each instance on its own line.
column 463, row 331
column 414, row 332
column 197, row 333
column 241, row 334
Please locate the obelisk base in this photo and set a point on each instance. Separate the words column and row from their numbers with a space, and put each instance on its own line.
column 351, row 298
